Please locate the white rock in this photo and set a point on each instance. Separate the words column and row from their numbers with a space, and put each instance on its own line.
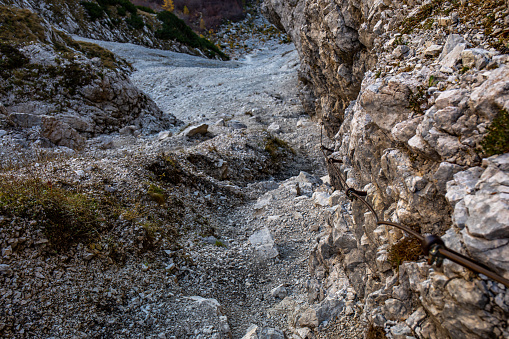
column 237, row 124
column 444, row 21
column 273, row 218
column 263, row 201
column 305, row 177
column 400, row 51
column 474, row 57
column 433, row 51
column 336, row 198
column 5, row 269
column 274, row 127
column 88, row 256
column 279, row 292
column 164, row 135
column 326, row 179
column 255, row 332
column 321, row 199
column 401, row 331
column 220, row 122
column 128, row 130
column 263, row 243
column 453, row 57
column 7, row 251
column 195, row 129
column 452, row 41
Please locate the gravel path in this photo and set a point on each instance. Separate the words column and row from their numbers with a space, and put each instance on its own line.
column 264, row 84
column 195, row 89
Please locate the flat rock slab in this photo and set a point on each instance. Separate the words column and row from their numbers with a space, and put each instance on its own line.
column 264, row 244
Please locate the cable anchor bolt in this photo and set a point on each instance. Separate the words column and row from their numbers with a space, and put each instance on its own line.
column 434, row 256
column 431, row 245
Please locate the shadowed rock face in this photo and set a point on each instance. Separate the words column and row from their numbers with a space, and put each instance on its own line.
column 213, row 12
column 333, row 43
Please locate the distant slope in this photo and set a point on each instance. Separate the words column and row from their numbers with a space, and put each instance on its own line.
column 121, row 21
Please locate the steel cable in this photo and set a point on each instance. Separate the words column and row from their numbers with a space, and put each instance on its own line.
column 432, row 245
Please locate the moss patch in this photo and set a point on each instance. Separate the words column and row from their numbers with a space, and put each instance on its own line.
column 497, row 139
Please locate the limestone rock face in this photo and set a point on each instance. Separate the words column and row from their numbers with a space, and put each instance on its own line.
column 409, row 131
column 333, row 39
column 70, row 16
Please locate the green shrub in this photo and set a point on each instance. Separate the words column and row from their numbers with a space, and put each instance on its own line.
column 135, row 21
column 121, row 11
column 11, row 58
column 94, row 11
column 497, row 139
column 219, row 243
column 176, row 29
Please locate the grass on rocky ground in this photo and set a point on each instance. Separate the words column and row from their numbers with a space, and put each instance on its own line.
column 408, row 249
column 277, row 148
column 65, row 216
column 480, row 13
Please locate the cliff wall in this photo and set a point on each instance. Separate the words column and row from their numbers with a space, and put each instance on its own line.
column 412, row 94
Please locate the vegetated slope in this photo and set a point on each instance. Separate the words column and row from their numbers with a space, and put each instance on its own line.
column 61, row 91
column 120, row 20
column 414, row 97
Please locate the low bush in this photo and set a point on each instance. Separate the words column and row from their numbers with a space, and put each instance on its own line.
column 277, row 147
column 408, row 249
column 176, row 29
column 135, row 21
column 65, row 216
column 93, row 10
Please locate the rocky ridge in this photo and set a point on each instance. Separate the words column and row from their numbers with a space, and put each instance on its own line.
column 115, row 22
column 59, row 92
column 408, row 92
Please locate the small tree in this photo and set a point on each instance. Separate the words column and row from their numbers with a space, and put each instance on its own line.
column 169, row 5
column 186, row 10
column 202, row 24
